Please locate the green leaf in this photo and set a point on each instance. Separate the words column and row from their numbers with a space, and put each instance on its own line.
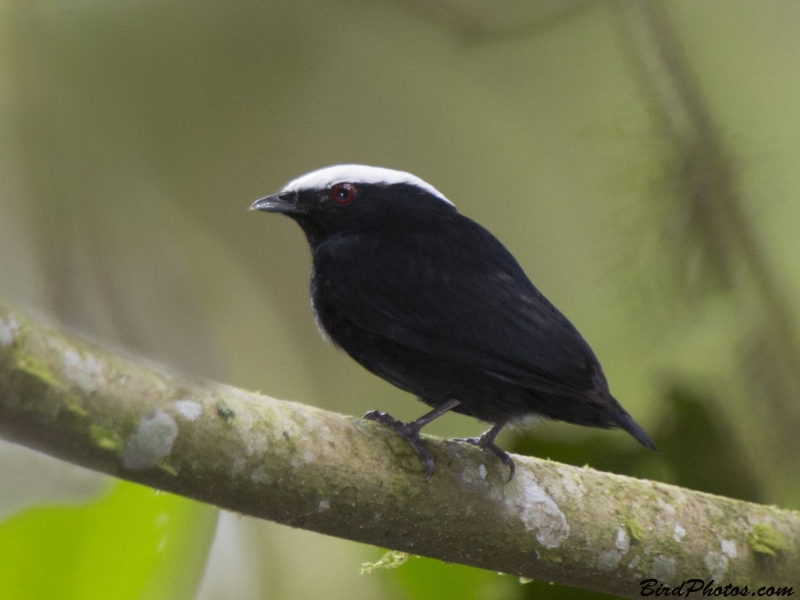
column 136, row 543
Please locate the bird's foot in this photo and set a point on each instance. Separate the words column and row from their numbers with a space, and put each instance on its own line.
column 486, row 442
column 409, row 432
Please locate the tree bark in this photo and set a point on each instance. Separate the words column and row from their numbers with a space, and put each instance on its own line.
column 354, row 479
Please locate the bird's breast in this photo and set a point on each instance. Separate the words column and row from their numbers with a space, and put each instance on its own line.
column 315, row 304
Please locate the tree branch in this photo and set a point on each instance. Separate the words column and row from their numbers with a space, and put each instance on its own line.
column 342, row 476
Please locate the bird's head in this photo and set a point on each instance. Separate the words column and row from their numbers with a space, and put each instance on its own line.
column 352, row 198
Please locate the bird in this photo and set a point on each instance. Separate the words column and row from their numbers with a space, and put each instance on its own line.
column 429, row 300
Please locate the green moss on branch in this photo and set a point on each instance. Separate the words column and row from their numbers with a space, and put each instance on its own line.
column 342, row 476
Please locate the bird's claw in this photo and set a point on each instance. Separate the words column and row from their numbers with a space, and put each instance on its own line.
column 383, row 418
column 488, row 444
column 408, row 433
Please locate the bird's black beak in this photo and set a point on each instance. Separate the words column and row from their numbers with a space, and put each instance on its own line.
column 282, row 202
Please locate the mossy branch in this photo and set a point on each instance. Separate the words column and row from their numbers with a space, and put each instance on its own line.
column 342, row 476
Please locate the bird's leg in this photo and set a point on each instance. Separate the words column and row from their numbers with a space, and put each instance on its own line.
column 410, row 431
column 486, row 441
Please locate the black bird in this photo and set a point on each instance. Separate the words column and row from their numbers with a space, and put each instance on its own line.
column 433, row 303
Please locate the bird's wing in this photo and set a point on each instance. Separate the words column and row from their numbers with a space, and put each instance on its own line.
column 456, row 296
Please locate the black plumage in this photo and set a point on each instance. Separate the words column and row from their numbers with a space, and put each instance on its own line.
column 430, row 301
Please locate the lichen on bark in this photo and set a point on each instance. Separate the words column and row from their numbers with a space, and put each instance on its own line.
column 342, row 476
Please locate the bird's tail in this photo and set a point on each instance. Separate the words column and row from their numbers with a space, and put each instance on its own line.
column 626, row 422
column 618, row 415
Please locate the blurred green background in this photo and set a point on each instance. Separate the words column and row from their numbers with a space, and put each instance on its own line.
column 638, row 158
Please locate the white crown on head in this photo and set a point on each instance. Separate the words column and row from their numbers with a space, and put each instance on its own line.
column 326, row 177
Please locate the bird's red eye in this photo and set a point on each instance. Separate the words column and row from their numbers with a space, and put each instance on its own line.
column 343, row 193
